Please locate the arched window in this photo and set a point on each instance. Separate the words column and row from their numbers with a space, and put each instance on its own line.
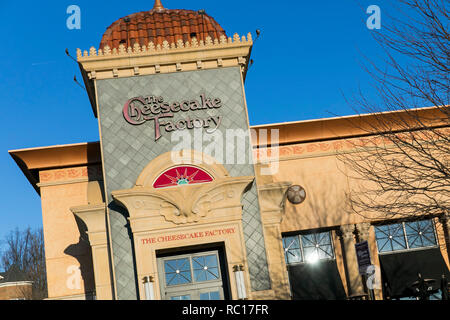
column 182, row 175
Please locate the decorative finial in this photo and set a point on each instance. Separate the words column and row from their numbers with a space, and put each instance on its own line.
column 158, row 5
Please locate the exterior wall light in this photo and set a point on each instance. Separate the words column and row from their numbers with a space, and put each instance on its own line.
column 240, row 284
column 148, row 285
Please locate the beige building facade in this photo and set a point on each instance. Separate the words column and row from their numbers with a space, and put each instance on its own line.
column 136, row 216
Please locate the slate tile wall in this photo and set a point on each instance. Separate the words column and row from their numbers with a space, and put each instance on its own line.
column 127, row 149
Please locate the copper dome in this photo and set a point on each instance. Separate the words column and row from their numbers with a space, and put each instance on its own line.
column 161, row 24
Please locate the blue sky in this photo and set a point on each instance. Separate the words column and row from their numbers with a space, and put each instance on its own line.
column 308, row 55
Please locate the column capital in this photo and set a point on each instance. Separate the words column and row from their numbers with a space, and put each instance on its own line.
column 347, row 231
column 363, row 230
column 272, row 201
column 94, row 216
column 445, row 219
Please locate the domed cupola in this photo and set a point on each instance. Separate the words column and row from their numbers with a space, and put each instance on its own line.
column 161, row 24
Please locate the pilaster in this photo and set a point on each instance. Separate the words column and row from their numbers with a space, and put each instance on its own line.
column 366, row 232
column 443, row 232
column 354, row 282
column 272, row 199
column 94, row 216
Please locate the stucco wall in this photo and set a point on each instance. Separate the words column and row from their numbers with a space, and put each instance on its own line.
column 67, row 249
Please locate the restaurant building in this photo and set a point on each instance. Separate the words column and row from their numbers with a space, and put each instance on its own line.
column 178, row 200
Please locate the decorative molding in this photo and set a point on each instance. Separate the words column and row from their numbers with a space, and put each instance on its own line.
column 242, row 60
column 91, row 211
column 187, row 203
column 363, row 230
column 151, row 49
column 326, row 147
column 63, row 182
column 445, row 220
column 347, row 231
column 272, row 199
column 170, row 57
column 94, row 216
column 184, row 204
column 71, row 174
column 186, row 157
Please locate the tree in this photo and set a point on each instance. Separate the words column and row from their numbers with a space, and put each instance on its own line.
column 402, row 167
column 24, row 251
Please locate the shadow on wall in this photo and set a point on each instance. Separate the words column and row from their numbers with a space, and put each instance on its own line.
column 326, row 203
column 82, row 252
column 117, row 208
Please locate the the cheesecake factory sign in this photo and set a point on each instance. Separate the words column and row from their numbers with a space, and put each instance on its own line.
column 150, row 108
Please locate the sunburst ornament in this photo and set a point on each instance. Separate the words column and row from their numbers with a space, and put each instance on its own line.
column 182, row 175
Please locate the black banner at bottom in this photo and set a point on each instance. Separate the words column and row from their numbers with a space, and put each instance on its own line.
column 168, row 310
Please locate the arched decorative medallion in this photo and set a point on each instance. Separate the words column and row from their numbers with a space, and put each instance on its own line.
column 181, row 175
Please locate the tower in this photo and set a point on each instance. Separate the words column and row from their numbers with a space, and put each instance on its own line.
column 167, row 87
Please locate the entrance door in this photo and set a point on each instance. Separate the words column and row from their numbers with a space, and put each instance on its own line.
column 191, row 277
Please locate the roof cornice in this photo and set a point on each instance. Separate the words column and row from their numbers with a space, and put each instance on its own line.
column 175, row 57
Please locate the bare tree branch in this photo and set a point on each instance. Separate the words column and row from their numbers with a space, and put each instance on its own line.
column 402, row 169
column 25, row 251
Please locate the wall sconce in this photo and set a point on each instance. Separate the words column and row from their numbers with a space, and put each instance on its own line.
column 148, row 285
column 240, row 283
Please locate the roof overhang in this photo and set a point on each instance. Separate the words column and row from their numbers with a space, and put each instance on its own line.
column 356, row 125
column 33, row 160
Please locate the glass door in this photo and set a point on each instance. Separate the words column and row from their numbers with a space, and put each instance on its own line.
column 191, row 277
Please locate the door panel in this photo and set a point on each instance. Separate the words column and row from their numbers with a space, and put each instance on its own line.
column 195, row 276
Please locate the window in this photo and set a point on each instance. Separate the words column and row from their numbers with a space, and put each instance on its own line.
column 184, row 297
column 191, row 269
column 405, row 235
column 211, row 295
column 308, row 248
column 205, row 268
column 178, row 271
column 191, row 276
column 433, row 296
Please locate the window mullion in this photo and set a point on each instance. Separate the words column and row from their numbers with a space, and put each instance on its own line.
column 332, row 244
column 391, row 237
column 192, row 270
column 433, row 226
column 301, row 248
column 405, row 236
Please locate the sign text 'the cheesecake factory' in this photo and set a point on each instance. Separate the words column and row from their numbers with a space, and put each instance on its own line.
column 138, row 110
